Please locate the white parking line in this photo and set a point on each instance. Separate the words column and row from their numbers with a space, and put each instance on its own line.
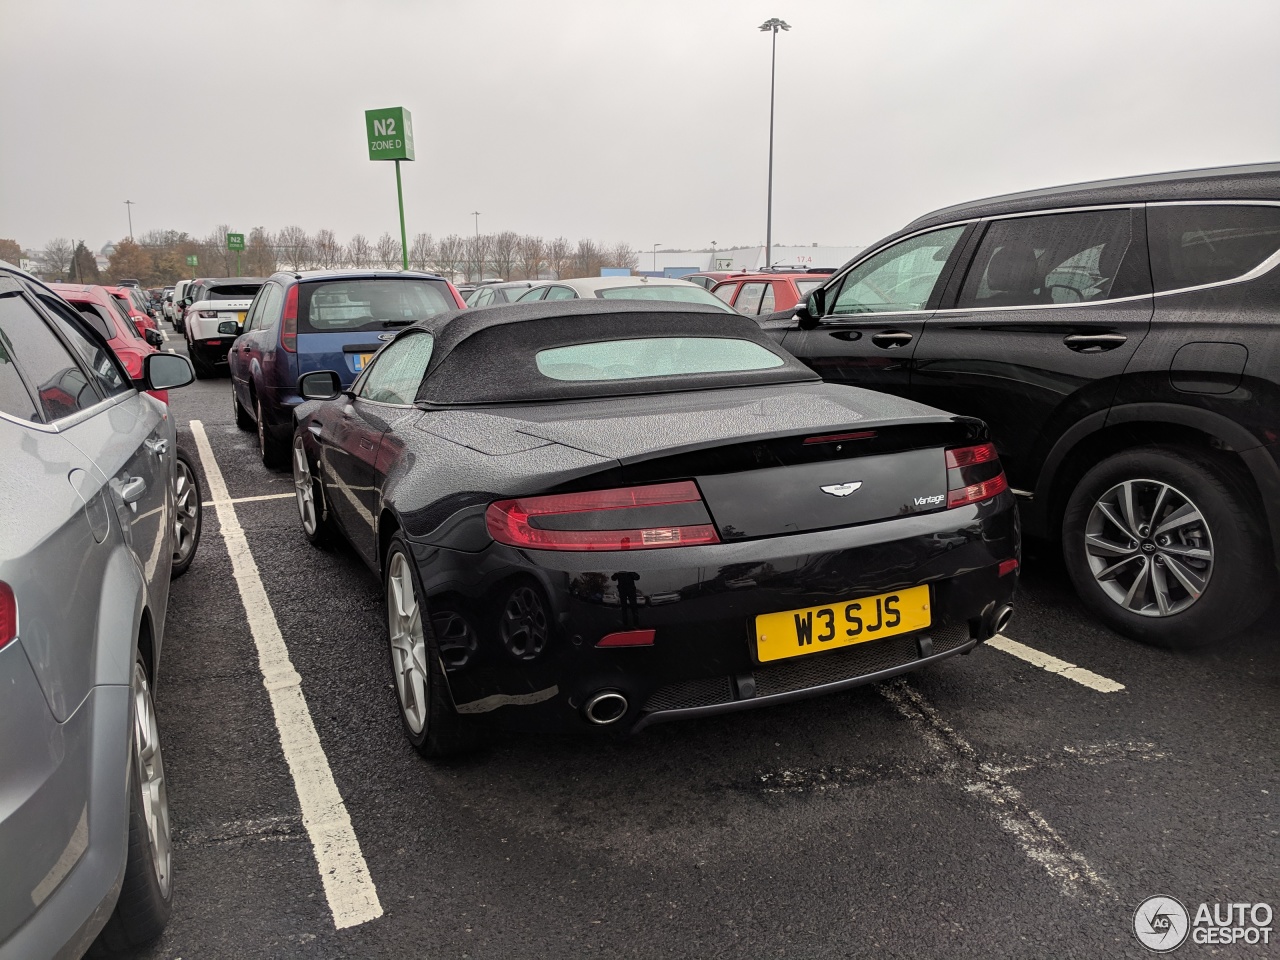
column 349, row 888
column 1029, row 829
column 265, row 496
column 1086, row 678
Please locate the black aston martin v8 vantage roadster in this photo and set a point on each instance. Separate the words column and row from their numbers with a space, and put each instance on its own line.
column 608, row 515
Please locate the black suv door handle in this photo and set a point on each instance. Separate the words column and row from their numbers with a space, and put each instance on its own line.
column 1094, row 342
column 891, row 338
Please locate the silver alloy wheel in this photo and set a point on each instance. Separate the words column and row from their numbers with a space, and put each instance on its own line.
column 150, row 766
column 408, row 644
column 1149, row 547
column 186, row 512
column 304, row 487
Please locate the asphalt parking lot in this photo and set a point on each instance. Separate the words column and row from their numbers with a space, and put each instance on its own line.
column 1020, row 801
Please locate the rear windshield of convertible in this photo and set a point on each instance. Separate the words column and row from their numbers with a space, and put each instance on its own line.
column 653, row 357
column 588, row 355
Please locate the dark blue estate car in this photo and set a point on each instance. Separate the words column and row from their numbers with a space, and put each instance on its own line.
column 319, row 320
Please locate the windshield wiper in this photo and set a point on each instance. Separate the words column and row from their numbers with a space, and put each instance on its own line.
column 396, row 323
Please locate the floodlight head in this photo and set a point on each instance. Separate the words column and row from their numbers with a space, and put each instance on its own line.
column 774, row 24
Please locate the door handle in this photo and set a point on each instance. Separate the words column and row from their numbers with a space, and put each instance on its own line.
column 891, row 338
column 244, row 349
column 132, row 489
column 158, row 447
column 1094, row 342
column 366, row 443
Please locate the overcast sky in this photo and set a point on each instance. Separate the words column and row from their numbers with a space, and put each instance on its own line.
column 644, row 122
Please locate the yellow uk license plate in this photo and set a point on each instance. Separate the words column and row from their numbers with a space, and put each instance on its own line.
column 362, row 361
column 794, row 633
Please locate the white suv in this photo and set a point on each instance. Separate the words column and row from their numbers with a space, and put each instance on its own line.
column 206, row 304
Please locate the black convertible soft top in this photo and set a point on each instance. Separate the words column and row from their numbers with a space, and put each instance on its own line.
column 488, row 356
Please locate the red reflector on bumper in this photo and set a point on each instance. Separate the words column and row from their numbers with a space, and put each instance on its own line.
column 627, row 638
column 837, row 437
column 1007, row 567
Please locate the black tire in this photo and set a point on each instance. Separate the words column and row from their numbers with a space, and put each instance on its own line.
column 202, row 367
column 146, row 895
column 188, row 514
column 319, row 530
column 444, row 733
column 243, row 420
column 1231, row 541
column 271, row 450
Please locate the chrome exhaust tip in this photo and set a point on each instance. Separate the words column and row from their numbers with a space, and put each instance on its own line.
column 606, row 707
column 1002, row 618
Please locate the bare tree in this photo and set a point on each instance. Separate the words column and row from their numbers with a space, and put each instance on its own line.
column 586, row 259
column 506, row 251
column 388, row 250
column 449, row 254
column 216, row 254
column 260, row 253
column 359, row 252
column 295, row 247
column 477, row 251
column 533, row 256
column 326, row 248
column 621, row 255
column 559, row 251
column 55, row 258
column 422, row 252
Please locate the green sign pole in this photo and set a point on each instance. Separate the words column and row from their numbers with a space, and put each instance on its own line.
column 390, row 136
column 192, row 261
column 404, row 237
column 235, row 241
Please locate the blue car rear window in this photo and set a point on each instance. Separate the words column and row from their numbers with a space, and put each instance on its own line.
column 378, row 303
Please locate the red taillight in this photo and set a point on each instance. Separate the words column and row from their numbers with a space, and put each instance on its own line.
column 8, row 615
column 515, row 522
column 1007, row 567
column 973, row 475
column 213, row 343
column 289, row 322
column 838, row 437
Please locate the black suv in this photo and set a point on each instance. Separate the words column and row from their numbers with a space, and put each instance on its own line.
column 1122, row 340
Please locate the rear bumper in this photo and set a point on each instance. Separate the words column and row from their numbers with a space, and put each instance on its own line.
column 63, row 819
column 701, row 603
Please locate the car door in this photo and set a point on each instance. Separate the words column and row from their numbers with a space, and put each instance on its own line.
column 258, row 341
column 240, row 352
column 351, row 438
column 1046, row 317
column 875, row 312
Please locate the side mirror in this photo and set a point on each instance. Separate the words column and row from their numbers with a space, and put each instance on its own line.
column 153, row 337
column 813, row 309
column 320, row 385
column 229, row 328
column 187, row 301
column 166, row 371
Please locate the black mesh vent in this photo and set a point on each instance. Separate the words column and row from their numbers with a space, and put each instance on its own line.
column 813, row 670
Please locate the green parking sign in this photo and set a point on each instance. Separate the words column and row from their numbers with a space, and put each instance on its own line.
column 390, row 133
column 192, row 260
column 235, row 241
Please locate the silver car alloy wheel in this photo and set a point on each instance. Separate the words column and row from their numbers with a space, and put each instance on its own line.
column 186, row 512
column 1149, row 547
column 304, row 487
column 408, row 644
column 151, row 782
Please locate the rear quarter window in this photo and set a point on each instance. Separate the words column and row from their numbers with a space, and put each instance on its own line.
column 1196, row 244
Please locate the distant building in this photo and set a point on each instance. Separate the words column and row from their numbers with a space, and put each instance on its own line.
column 744, row 259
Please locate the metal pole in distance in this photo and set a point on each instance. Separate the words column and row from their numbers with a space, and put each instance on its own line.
column 238, row 273
column 773, row 25
column 404, row 238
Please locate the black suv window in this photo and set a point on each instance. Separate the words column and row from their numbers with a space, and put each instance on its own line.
column 898, row 278
column 1061, row 258
column 1196, row 244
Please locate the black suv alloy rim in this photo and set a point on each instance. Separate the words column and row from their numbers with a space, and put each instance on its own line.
column 1149, row 547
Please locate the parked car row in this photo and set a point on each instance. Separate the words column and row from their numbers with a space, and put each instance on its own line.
column 109, row 501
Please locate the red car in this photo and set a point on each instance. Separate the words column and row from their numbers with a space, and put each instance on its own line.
column 136, row 313
column 111, row 318
column 759, row 294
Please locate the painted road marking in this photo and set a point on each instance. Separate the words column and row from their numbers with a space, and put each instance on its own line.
column 352, row 897
column 1086, row 678
column 1029, row 829
column 265, row 496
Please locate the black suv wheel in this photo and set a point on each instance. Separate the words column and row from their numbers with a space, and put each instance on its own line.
column 1162, row 545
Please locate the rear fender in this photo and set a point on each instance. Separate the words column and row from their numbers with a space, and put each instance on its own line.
column 120, row 613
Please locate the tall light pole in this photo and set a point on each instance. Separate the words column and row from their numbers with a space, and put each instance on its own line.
column 655, row 258
column 128, row 205
column 476, row 214
column 772, row 25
